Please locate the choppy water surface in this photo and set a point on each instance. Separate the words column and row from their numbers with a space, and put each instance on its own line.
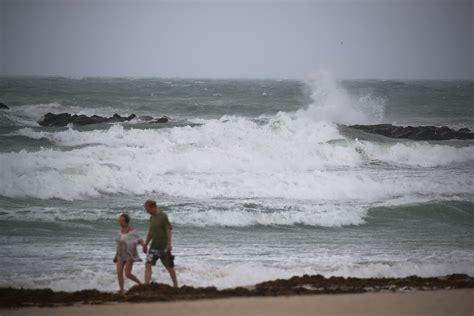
column 258, row 177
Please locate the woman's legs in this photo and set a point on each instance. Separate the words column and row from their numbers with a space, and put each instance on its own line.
column 128, row 272
column 119, row 265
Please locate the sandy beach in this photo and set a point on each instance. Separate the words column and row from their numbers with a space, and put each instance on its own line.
column 441, row 302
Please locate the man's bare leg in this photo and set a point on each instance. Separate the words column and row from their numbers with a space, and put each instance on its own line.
column 172, row 273
column 147, row 273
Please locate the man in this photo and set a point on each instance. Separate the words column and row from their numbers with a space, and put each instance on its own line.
column 159, row 234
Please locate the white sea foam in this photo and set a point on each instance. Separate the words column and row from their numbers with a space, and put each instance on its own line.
column 328, row 215
column 417, row 154
column 299, row 157
column 228, row 213
column 232, row 157
column 212, row 270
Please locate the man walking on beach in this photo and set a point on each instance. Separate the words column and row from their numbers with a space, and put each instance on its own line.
column 159, row 234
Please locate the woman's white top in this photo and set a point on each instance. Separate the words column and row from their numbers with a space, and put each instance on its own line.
column 127, row 245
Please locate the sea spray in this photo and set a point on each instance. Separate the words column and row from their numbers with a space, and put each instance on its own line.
column 332, row 102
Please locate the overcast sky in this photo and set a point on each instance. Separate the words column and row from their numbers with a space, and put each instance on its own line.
column 381, row 39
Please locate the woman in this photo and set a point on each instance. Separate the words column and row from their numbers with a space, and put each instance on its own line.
column 126, row 254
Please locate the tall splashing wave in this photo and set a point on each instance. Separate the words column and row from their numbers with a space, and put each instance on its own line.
column 331, row 102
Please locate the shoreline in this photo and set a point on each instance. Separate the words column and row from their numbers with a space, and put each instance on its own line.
column 301, row 286
column 439, row 302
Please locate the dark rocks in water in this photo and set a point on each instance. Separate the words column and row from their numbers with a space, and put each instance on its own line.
column 3, row 106
column 416, row 132
column 50, row 119
column 150, row 119
column 85, row 120
column 163, row 119
column 117, row 118
column 63, row 119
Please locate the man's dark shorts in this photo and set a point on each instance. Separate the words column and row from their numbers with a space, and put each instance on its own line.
column 166, row 258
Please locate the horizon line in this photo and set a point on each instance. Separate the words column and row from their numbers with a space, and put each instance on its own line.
column 309, row 77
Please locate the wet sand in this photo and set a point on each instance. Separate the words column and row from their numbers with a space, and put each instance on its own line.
column 440, row 302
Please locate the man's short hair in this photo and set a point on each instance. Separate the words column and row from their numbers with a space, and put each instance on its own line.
column 150, row 203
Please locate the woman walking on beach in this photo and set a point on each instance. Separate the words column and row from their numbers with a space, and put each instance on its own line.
column 126, row 254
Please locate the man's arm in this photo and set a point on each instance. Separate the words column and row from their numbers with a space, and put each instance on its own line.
column 148, row 237
column 145, row 244
column 169, row 247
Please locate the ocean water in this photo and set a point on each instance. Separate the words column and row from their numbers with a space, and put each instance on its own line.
column 259, row 178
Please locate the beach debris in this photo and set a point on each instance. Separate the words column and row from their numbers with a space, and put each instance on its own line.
column 297, row 285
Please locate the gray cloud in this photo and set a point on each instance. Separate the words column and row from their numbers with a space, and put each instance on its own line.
column 2, row 44
column 351, row 39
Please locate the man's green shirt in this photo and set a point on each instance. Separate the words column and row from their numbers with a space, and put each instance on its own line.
column 159, row 225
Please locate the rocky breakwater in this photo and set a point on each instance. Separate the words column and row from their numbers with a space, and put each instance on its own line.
column 416, row 132
column 64, row 119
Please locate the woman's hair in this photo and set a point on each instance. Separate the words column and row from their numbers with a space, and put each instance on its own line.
column 126, row 217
